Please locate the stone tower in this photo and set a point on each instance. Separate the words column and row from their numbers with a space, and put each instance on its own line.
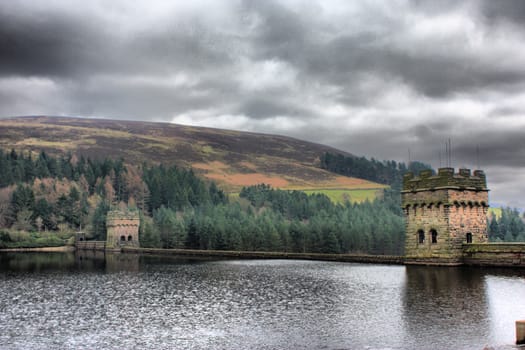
column 443, row 212
column 122, row 229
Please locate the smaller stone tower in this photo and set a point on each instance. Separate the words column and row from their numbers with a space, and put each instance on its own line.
column 443, row 212
column 122, row 229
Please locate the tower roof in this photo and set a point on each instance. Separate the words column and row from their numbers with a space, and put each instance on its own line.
column 122, row 215
column 445, row 179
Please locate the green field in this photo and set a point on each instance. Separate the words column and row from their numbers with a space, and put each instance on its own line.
column 336, row 195
column 343, row 195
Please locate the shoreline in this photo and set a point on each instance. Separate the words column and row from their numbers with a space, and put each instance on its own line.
column 228, row 254
column 357, row 258
column 489, row 255
column 61, row 249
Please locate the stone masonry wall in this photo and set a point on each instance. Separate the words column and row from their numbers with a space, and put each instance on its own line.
column 90, row 245
column 122, row 229
column 494, row 254
column 451, row 205
column 426, row 219
column 445, row 178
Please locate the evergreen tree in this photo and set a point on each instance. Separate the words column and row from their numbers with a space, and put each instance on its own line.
column 99, row 221
column 193, row 239
column 148, row 233
column 44, row 210
column 23, row 199
column 166, row 222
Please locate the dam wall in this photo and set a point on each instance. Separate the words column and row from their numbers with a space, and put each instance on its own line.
column 494, row 254
column 482, row 254
column 90, row 245
column 227, row 254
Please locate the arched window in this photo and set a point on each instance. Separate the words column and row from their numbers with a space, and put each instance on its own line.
column 129, row 238
column 434, row 235
column 123, row 238
column 469, row 237
column 421, row 236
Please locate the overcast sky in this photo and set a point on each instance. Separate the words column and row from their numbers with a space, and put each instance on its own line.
column 374, row 78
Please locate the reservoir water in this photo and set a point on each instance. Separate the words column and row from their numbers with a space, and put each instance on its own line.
column 63, row 301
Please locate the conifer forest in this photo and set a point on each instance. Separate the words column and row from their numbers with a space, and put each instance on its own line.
column 45, row 199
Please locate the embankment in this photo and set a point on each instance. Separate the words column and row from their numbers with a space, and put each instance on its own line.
column 61, row 249
column 491, row 254
column 494, row 254
column 358, row 258
column 91, row 245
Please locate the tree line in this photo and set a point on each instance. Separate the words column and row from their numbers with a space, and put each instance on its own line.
column 507, row 227
column 53, row 195
column 266, row 219
column 66, row 194
column 385, row 172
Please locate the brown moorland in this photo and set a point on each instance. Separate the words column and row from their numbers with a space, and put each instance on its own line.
column 231, row 158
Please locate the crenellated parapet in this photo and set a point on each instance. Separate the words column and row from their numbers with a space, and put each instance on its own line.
column 445, row 188
column 122, row 218
column 445, row 178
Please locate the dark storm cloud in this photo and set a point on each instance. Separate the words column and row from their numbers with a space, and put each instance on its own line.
column 184, row 45
column 439, row 76
column 433, row 7
column 135, row 101
column 264, row 108
column 496, row 148
column 504, row 10
column 279, row 32
column 53, row 44
column 436, row 72
column 46, row 45
column 506, row 111
column 493, row 11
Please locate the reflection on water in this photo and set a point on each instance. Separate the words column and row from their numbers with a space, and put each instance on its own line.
column 447, row 302
column 36, row 262
column 92, row 260
column 115, row 301
column 471, row 306
column 505, row 292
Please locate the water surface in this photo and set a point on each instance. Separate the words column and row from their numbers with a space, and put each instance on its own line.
column 57, row 301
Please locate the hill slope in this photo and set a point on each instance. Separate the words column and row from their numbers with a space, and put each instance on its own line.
column 231, row 158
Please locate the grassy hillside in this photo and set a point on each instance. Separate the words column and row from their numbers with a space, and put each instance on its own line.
column 233, row 159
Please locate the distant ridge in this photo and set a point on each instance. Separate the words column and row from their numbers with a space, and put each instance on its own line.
column 231, row 158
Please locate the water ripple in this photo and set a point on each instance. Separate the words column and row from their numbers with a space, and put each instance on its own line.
column 164, row 303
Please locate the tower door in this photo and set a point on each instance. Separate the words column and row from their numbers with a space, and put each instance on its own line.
column 469, row 237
